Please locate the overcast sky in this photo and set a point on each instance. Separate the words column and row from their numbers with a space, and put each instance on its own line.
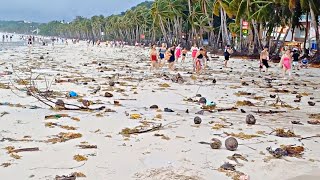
column 48, row 10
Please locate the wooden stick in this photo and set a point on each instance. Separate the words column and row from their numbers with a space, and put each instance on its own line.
column 268, row 112
column 25, row 150
column 309, row 137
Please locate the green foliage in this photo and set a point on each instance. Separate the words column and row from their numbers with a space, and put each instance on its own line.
column 18, row 27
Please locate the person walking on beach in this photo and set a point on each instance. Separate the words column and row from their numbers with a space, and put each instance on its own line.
column 227, row 52
column 172, row 58
column 199, row 60
column 178, row 52
column 184, row 54
column 162, row 51
column 153, row 58
column 295, row 61
column 194, row 50
column 264, row 59
column 285, row 63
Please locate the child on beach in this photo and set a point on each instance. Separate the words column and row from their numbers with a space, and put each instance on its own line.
column 304, row 63
column 285, row 63
column 153, row 58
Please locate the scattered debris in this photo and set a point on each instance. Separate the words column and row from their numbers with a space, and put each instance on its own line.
column 231, row 144
column 86, row 146
column 250, row 119
column 242, row 135
column 244, row 103
column 79, row 158
column 197, row 120
column 215, row 143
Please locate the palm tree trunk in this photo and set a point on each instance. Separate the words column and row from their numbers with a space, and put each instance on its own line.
column 240, row 40
column 306, row 32
column 284, row 40
column 315, row 26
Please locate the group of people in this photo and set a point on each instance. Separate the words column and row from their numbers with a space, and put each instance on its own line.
column 7, row 37
column 159, row 57
column 289, row 60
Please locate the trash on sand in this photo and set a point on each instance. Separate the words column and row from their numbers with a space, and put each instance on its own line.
column 56, row 116
column 72, row 94
column 135, row 116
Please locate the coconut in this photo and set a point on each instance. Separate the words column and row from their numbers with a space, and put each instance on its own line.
column 231, row 144
column 107, row 94
column 215, row 144
column 86, row 103
column 60, row 103
column 202, row 100
column 112, row 83
column 154, row 107
column 250, row 119
column 197, row 120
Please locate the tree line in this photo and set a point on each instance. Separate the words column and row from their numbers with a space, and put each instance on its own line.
column 217, row 22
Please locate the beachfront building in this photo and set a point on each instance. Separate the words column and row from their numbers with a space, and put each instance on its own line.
column 296, row 37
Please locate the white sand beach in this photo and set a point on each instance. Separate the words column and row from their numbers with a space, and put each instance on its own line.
column 171, row 152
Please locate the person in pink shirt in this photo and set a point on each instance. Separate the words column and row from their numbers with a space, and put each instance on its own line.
column 194, row 51
column 178, row 52
column 286, row 63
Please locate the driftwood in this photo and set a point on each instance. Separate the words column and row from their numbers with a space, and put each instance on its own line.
column 309, row 137
column 58, row 168
column 140, row 131
column 84, row 146
column 227, row 109
column 269, row 112
column 25, row 150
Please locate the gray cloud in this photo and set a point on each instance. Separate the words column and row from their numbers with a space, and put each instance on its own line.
column 47, row 10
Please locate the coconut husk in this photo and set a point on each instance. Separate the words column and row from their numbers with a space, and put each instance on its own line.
column 244, row 103
column 242, row 135
column 284, row 133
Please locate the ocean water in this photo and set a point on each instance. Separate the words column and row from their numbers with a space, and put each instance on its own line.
column 16, row 41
